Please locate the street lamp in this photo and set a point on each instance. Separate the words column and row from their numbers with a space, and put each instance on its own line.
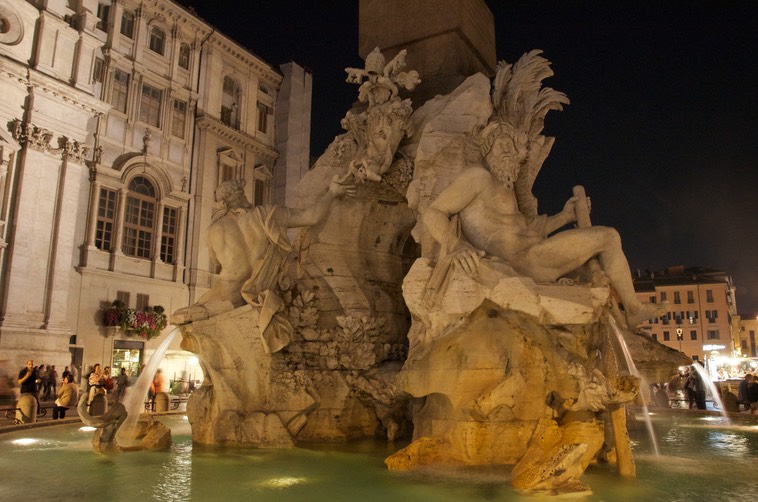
column 679, row 337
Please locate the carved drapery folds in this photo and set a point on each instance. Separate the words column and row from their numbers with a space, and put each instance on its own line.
column 40, row 139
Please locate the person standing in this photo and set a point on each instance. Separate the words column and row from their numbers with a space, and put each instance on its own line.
column 67, row 397
column 123, row 383
column 155, row 387
column 742, row 397
column 52, row 381
column 752, row 394
column 95, row 382
column 27, row 379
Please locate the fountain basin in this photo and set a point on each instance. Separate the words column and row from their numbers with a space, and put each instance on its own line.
column 702, row 458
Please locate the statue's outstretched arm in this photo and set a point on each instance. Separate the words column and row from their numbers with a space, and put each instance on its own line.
column 338, row 187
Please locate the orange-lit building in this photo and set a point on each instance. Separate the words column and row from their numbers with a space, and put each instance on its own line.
column 702, row 318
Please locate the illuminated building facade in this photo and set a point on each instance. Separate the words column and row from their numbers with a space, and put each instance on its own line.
column 701, row 320
column 118, row 121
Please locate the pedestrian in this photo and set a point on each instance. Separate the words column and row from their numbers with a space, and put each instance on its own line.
column 742, row 397
column 27, row 379
column 95, row 382
column 52, row 381
column 155, row 387
column 123, row 383
column 68, row 396
column 752, row 394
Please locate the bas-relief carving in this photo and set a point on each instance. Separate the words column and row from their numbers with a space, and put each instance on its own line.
column 508, row 361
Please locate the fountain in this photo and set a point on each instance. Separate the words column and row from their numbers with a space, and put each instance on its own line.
column 511, row 357
column 494, row 345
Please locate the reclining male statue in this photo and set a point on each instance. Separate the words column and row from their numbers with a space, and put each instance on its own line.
column 496, row 211
column 251, row 245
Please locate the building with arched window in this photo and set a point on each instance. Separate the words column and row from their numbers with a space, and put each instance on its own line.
column 107, row 184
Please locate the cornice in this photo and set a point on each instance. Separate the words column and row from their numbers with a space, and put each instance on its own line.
column 246, row 141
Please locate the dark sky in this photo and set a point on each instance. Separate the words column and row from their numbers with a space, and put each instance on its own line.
column 662, row 129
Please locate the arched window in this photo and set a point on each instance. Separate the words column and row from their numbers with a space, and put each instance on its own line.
column 184, row 56
column 230, row 102
column 157, row 40
column 139, row 219
column 127, row 23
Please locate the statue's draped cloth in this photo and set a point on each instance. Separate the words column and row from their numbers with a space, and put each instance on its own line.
column 259, row 290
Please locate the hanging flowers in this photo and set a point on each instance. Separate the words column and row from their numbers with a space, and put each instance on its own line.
column 146, row 323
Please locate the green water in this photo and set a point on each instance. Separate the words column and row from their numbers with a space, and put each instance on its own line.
column 702, row 459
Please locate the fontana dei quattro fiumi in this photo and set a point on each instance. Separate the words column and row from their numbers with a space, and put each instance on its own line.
column 424, row 305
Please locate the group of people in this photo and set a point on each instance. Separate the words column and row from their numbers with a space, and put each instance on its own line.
column 100, row 381
column 34, row 380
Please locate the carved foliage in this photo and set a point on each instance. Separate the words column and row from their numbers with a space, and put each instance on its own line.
column 39, row 139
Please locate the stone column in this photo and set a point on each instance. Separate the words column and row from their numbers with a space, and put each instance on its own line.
column 119, row 225
column 158, row 233
column 94, row 204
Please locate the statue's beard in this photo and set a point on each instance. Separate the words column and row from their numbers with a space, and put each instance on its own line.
column 505, row 171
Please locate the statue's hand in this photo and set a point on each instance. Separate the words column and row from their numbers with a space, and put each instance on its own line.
column 339, row 186
column 569, row 209
column 467, row 258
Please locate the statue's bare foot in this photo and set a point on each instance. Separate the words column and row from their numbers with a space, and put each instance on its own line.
column 636, row 314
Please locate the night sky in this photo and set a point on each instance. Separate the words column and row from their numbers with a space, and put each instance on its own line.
column 661, row 129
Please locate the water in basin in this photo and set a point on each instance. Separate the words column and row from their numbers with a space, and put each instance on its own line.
column 702, row 458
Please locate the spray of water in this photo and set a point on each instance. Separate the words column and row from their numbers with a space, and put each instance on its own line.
column 134, row 400
column 712, row 389
column 633, row 370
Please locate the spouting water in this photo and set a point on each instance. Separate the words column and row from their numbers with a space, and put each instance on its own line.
column 134, row 400
column 712, row 389
column 634, row 371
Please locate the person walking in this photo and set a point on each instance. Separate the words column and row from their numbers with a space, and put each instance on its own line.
column 68, row 396
column 123, row 383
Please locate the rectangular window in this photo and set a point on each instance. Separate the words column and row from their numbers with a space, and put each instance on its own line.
column 713, row 334
column 106, row 218
column 179, row 118
column 665, row 318
column 677, row 298
column 228, row 172
column 123, row 297
column 663, row 296
column 259, row 193
column 263, row 112
column 693, row 334
column 103, row 11
column 143, row 301
column 168, row 237
column 655, row 337
column 666, row 336
column 120, row 89
column 709, row 295
column 692, row 316
column 184, row 55
column 678, row 316
column 653, row 299
column 97, row 70
column 127, row 24
column 138, row 228
column 150, row 105
column 690, row 297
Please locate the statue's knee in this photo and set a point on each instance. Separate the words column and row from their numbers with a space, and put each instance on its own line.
column 611, row 236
